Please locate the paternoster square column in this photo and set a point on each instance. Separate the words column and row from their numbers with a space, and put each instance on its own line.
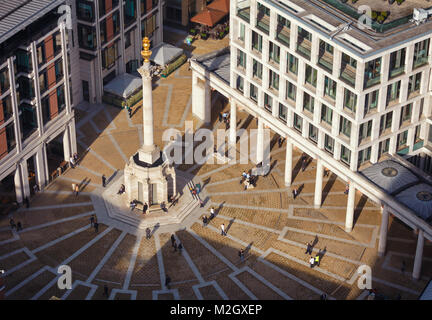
column 148, row 152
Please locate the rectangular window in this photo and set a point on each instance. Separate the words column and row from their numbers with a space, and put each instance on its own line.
column 292, row 64
column 350, row 100
column 40, row 52
column 371, row 101
column 263, row 18
column 109, row 56
column 384, row 147
column 325, row 55
column 60, row 99
column 57, row 43
column 310, row 75
column 414, row 83
column 304, row 42
column 313, row 133
column 329, row 144
column 128, row 41
column 386, row 121
column 345, row 155
column 397, row 63
column 291, row 91
column 58, row 69
column 240, row 84
column 298, row 123
column 365, row 131
column 46, row 114
column 283, row 112
column 308, row 103
column 241, row 59
column 242, row 32
column 253, row 92
column 268, row 102
column 348, row 69
column 85, row 10
column 4, row 80
column 243, row 9
column 326, row 114
column 402, row 139
column 129, row 12
column 364, row 155
column 406, row 113
column 330, row 88
column 256, row 41
column 257, row 69
column 274, row 80
column 345, row 127
column 393, row 91
column 372, row 72
column 6, row 108
column 421, row 52
column 274, row 53
column 43, row 82
column 283, row 30
column 86, row 37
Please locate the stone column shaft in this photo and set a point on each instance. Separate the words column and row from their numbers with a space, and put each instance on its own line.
column 349, row 220
column 383, row 231
column 233, row 124
column 147, row 106
column 288, row 163
column 260, row 141
column 418, row 256
column 318, row 184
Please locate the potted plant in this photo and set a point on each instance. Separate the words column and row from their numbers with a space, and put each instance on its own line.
column 204, row 35
column 399, row 2
column 380, row 19
column 221, row 34
column 192, row 31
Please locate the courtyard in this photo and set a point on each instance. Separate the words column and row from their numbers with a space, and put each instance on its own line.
column 266, row 222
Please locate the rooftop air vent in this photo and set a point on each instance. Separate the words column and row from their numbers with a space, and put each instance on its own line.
column 420, row 15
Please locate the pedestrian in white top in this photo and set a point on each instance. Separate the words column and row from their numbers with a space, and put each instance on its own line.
column 72, row 162
column 312, row 262
column 223, row 229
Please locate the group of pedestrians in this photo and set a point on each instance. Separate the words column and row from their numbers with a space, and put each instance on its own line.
column 314, row 261
column 17, row 226
column 207, row 220
column 248, row 179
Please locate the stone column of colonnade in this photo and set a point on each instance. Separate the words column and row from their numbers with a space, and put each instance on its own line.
column 418, row 256
column 318, row 183
column 349, row 219
column 233, row 124
column 288, row 162
column 383, row 231
column 201, row 98
column 260, row 141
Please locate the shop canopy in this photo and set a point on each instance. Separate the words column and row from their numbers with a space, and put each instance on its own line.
column 123, row 86
column 220, row 5
column 208, row 17
column 165, row 53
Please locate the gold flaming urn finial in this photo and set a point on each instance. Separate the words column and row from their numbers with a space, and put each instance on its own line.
column 146, row 53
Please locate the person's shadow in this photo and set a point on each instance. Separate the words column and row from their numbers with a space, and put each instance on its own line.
column 315, row 241
column 230, row 224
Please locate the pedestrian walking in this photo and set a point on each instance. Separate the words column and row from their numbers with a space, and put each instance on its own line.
column 129, row 112
column 323, row 296
column 212, row 213
column 92, row 220
column 103, row 181
column 317, row 259
column 326, row 172
column 241, row 255
column 72, row 162
column 223, row 233
column 76, row 190
column 308, row 248
column 12, row 223
column 96, row 227
column 312, row 262
column 346, row 189
column 295, row 193
column 180, row 247
column 105, row 290
column 204, row 219
column 304, row 162
column 18, row 226
column 201, row 203
column 73, row 187
column 167, row 281
column 145, row 207
column 148, row 233
column 172, row 240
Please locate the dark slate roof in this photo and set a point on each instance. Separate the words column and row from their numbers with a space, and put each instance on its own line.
column 404, row 185
column 15, row 15
column 217, row 62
